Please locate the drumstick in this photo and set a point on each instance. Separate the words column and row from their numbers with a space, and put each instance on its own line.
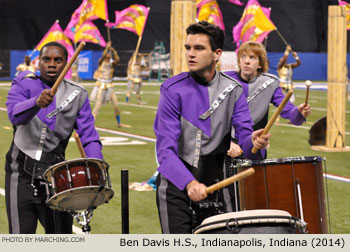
column 308, row 84
column 66, row 68
column 80, row 146
column 230, row 180
column 275, row 115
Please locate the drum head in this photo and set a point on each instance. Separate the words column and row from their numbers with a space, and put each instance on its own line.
column 80, row 198
column 250, row 222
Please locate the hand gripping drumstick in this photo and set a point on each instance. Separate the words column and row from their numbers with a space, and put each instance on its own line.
column 66, row 68
column 308, row 85
column 80, row 146
column 230, row 180
column 275, row 115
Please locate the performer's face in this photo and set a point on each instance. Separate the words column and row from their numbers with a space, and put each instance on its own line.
column 199, row 55
column 51, row 64
column 248, row 65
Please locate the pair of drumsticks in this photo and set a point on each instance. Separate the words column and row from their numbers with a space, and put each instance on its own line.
column 251, row 171
column 280, row 108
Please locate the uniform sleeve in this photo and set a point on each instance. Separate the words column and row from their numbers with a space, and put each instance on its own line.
column 167, row 128
column 20, row 107
column 289, row 111
column 85, row 127
column 243, row 125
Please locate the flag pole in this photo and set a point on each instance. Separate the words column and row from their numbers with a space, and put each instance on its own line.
column 108, row 31
column 279, row 34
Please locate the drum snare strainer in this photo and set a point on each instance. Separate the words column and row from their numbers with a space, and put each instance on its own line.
column 78, row 184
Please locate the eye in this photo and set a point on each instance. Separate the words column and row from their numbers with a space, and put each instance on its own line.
column 59, row 60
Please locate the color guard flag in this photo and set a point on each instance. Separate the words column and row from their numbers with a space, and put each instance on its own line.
column 55, row 33
column 88, row 32
column 237, row 2
column 132, row 19
column 254, row 24
column 209, row 11
column 87, row 11
column 347, row 8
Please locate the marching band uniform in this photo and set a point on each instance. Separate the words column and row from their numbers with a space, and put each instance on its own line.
column 42, row 134
column 260, row 92
column 193, row 129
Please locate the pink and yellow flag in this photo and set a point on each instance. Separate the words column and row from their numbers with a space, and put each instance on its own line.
column 132, row 19
column 87, row 11
column 55, row 33
column 88, row 32
column 347, row 8
column 255, row 24
column 208, row 10
column 237, row 2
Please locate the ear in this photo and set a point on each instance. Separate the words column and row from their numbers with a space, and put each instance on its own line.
column 217, row 54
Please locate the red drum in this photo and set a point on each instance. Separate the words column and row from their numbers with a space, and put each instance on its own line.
column 251, row 222
column 292, row 184
column 78, row 184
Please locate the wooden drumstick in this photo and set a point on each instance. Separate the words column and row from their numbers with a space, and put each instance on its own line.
column 230, row 180
column 308, row 84
column 80, row 146
column 275, row 115
column 66, row 68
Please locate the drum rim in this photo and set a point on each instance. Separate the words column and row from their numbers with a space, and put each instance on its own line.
column 245, row 221
column 69, row 191
column 272, row 161
column 100, row 163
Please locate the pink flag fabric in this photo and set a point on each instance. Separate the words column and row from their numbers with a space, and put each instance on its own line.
column 237, row 2
column 55, row 33
column 88, row 32
column 209, row 10
column 87, row 11
column 132, row 19
column 255, row 24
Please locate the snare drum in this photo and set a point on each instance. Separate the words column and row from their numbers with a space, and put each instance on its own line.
column 251, row 222
column 78, row 184
column 292, row 184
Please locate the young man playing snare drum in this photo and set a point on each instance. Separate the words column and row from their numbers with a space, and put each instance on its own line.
column 43, row 124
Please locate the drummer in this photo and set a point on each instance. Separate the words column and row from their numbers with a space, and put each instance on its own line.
column 193, row 136
column 43, row 124
column 262, row 88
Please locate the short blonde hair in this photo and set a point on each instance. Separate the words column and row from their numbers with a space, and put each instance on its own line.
column 259, row 50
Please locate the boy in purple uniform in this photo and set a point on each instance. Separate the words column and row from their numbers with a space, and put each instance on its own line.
column 43, row 125
column 196, row 113
column 262, row 88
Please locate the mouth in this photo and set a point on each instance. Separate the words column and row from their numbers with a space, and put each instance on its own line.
column 191, row 62
column 51, row 73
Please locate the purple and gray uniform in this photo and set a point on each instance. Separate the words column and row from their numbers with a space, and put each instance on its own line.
column 262, row 91
column 194, row 121
column 40, row 139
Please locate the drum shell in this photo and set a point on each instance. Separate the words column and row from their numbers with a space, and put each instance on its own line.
column 274, row 186
column 78, row 184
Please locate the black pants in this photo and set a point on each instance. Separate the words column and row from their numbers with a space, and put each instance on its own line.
column 23, row 208
column 175, row 207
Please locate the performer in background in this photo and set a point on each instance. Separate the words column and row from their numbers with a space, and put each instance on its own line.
column 196, row 112
column 285, row 71
column 262, row 88
column 134, row 78
column 104, row 91
column 25, row 66
column 43, row 125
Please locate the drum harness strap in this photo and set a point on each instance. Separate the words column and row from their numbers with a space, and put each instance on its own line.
column 204, row 116
column 259, row 90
